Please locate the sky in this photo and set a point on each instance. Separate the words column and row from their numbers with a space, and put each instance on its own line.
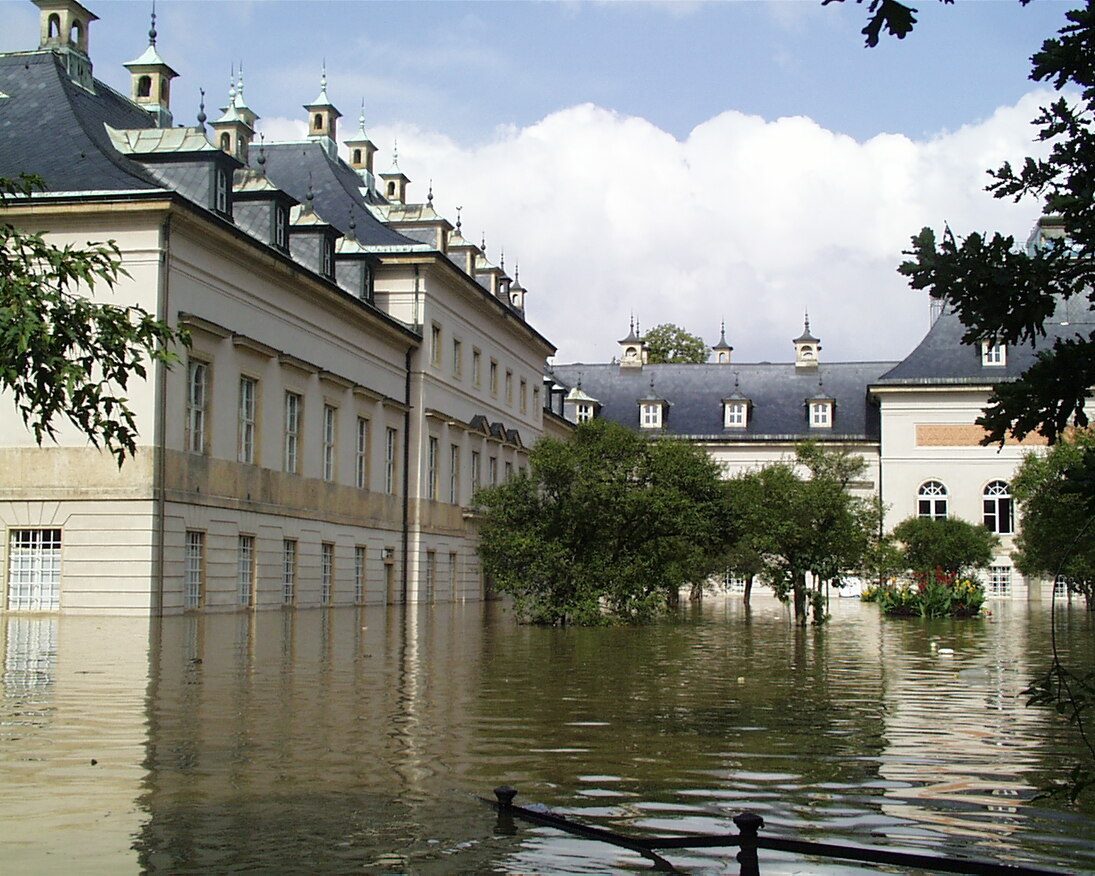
column 693, row 162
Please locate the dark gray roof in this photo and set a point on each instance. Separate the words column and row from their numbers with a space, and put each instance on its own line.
column 54, row 128
column 941, row 358
column 293, row 167
column 777, row 393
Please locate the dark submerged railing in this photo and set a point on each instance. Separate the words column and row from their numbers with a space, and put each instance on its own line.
column 748, row 840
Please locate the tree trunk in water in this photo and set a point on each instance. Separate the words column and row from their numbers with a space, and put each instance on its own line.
column 800, row 598
column 748, row 589
column 696, row 594
column 673, row 598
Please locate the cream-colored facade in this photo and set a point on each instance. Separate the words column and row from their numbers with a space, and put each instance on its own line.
column 319, row 441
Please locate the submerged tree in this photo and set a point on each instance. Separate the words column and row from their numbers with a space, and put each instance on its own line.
column 63, row 355
column 607, row 527
column 953, row 546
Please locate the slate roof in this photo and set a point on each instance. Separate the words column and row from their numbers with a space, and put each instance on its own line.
column 942, row 359
column 293, row 167
column 53, row 127
column 777, row 393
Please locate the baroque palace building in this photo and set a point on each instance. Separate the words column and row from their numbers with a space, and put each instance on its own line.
column 913, row 421
column 356, row 367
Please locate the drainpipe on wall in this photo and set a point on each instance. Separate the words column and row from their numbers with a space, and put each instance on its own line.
column 159, row 441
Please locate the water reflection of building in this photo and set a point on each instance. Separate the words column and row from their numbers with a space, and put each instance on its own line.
column 72, row 742
column 958, row 732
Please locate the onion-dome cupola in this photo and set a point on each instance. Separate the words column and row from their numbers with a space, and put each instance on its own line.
column 633, row 352
column 362, row 150
column 151, row 80
column 322, row 115
column 64, row 29
column 807, row 348
column 722, row 349
column 516, row 290
column 231, row 131
column 395, row 180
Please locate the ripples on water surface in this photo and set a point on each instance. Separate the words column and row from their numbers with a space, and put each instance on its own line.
column 353, row 740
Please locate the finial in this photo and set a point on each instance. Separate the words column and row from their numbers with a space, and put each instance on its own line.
column 651, row 384
column 458, row 209
column 311, row 196
column 201, row 110
column 736, row 383
column 353, row 225
column 232, row 85
column 429, row 194
column 638, row 330
column 483, row 242
column 239, row 82
column 502, row 260
column 262, row 153
column 323, row 78
column 152, row 30
column 631, row 324
column 807, row 321
column 517, row 272
column 395, row 152
column 361, row 118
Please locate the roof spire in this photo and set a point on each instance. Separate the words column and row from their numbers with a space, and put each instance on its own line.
column 807, row 320
column 262, row 154
column 429, row 194
column 232, row 84
column 201, row 110
column 361, row 118
column 502, row 260
column 152, row 29
column 458, row 209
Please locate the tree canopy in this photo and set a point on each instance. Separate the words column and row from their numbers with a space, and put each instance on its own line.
column 1057, row 533
column 62, row 355
column 670, row 344
column 607, row 527
column 951, row 545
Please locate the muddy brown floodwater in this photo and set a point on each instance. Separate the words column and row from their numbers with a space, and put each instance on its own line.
column 354, row 740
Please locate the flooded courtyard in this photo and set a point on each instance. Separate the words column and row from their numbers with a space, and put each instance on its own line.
column 355, row 740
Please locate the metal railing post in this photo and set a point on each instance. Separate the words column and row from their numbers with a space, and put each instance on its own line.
column 748, row 823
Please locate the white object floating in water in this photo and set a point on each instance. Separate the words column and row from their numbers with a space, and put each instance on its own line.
column 943, row 651
column 741, row 679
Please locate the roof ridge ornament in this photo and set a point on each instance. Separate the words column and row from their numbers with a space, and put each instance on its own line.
column 152, row 29
column 201, row 109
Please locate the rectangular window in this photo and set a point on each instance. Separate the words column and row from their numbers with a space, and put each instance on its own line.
column 34, row 569
column 652, row 416
column 735, row 415
column 288, row 570
column 492, row 471
column 522, row 397
column 819, row 414
column 585, row 413
column 327, row 572
column 993, row 353
column 222, row 191
column 428, row 576
column 733, row 582
column 454, row 473
column 457, row 359
column 476, row 470
column 293, row 403
column 535, row 398
column 509, row 387
column 509, row 472
column 361, row 455
column 246, row 569
column 999, row 581
column 329, row 415
column 492, row 380
column 195, row 568
column 435, row 344
column 359, row 574
column 281, row 222
column 197, row 397
column 453, row 574
column 249, row 390
column 390, row 442
column 476, row 367
column 431, row 469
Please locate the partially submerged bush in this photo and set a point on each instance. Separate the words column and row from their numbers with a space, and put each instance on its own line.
column 932, row 594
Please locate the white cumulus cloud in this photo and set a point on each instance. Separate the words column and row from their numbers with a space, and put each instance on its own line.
column 747, row 220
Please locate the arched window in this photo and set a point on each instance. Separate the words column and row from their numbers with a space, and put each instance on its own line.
column 357, row 156
column 932, row 501
column 391, row 190
column 317, row 122
column 999, row 516
column 54, row 26
column 75, row 35
column 226, row 141
column 144, row 86
column 164, row 92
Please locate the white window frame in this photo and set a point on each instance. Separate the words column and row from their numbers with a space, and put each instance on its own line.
column 431, row 467
column 34, row 569
column 584, row 412
column 288, row 570
column 359, row 573
column 248, row 409
column 361, row 454
column 246, row 570
column 454, row 474
column 935, row 494
column 994, row 353
column 998, row 508
column 651, row 415
column 999, row 581
column 391, row 441
column 821, row 414
column 294, row 403
column 492, row 471
column 197, row 404
column 735, row 415
column 476, row 470
column 429, row 573
column 326, row 572
column 194, row 593
column 330, row 430
column 457, row 358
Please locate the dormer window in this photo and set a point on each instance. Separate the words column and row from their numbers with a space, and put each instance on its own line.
column 222, row 191
column 735, row 414
column 585, row 412
column 327, row 264
column 651, row 417
column 281, row 222
column 994, row 353
column 821, row 414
